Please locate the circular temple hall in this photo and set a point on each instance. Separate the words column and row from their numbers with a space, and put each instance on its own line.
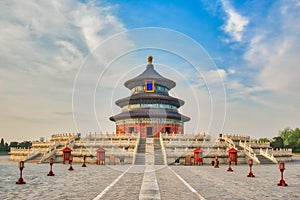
column 150, row 109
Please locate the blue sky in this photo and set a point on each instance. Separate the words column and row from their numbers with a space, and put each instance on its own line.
column 54, row 54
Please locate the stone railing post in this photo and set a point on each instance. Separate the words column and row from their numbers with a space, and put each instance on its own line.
column 163, row 149
column 135, row 148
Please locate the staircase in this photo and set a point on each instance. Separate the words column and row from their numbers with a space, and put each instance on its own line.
column 52, row 150
column 249, row 151
column 263, row 160
column 140, row 155
column 158, row 155
column 47, row 155
column 35, row 159
column 228, row 141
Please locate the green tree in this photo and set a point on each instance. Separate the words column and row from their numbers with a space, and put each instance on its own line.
column 285, row 135
column 25, row 144
column 277, row 143
column 13, row 144
column 263, row 140
column 291, row 138
column 6, row 147
column 2, row 146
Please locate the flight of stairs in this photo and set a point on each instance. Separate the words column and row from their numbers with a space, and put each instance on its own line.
column 140, row 155
column 158, row 155
column 36, row 159
column 263, row 160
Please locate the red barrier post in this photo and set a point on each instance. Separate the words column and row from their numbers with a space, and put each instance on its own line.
column 229, row 166
column 21, row 167
column 51, row 161
column 250, row 163
column 282, row 181
column 70, row 162
column 217, row 162
column 84, row 157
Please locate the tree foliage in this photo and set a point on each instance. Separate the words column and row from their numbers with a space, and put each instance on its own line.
column 4, row 146
column 291, row 138
column 24, row 144
column 277, row 143
column 261, row 140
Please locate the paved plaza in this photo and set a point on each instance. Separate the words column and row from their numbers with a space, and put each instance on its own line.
column 148, row 182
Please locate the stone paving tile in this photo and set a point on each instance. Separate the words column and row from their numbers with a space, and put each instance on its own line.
column 82, row 183
column 219, row 184
column 171, row 187
column 87, row 183
column 128, row 187
column 149, row 188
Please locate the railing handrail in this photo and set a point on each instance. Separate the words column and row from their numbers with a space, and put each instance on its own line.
column 247, row 147
column 228, row 141
column 70, row 142
column 48, row 155
column 50, row 152
column 249, row 151
column 267, row 155
column 163, row 149
column 30, row 156
column 252, row 156
column 135, row 149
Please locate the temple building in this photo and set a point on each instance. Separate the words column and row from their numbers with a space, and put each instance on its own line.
column 150, row 109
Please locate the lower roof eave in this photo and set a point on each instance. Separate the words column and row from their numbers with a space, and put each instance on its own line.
column 117, row 117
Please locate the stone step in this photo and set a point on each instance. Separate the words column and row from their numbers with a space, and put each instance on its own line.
column 158, row 155
column 140, row 159
column 263, row 160
column 141, row 151
column 159, row 160
column 36, row 159
column 142, row 146
column 140, row 155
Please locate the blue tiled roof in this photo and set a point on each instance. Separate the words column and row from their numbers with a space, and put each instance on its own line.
column 150, row 74
column 150, row 98
column 150, row 113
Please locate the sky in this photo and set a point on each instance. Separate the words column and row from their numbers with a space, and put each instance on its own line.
column 63, row 63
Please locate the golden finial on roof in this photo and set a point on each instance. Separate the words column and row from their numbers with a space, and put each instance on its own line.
column 150, row 59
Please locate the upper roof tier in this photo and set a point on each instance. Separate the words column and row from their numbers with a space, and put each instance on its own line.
column 150, row 74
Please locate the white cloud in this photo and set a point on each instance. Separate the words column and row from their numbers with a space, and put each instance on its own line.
column 231, row 71
column 53, row 35
column 93, row 29
column 235, row 23
column 215, row 76
column 42, row 45
column 276, row 56
column 265, row 98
